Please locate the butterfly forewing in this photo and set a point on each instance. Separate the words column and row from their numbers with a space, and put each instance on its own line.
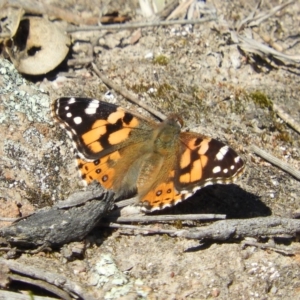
column 96, row 127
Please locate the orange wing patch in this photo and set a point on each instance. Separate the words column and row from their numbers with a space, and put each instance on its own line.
column 100, row 170
column 162, row 195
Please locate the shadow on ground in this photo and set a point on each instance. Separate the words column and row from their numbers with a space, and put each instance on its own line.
column 230, row 200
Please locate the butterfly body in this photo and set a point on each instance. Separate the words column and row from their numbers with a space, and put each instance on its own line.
column 133, row 155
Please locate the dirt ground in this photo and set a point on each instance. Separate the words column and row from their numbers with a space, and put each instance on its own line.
column 220, row 91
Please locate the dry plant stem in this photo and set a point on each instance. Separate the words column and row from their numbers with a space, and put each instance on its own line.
column 286, row 118
column 275, row 161
column 237, row 229
column 138, row 25
column 229, row 229
column 268, row 246
column 167, row 218
column 153, row 230
column 79, row 61
column 253, row 46
column 266, row 15
column 41, row 284
column 133, row 98
column 255, row 20
column 182, row 7
column 50, row 277
column 168, row 9
column 18, row 296
column 41, row 8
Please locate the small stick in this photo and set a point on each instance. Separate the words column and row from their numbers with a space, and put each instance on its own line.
column 41, row 8
column 133, row 98
column 182, row 7
column 167, row 218
column 42, row 285
column 53, row 278
column 134, row 227
column 8, row 219
column 138, row 25
column 268, row 246
column 286, row 118
column 79, row 61
column 275, row 161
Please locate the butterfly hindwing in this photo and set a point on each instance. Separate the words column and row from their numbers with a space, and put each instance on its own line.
column 204, row 161
column 201, row 161
column 101, row 170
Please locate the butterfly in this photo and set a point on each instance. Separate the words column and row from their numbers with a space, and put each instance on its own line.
column 130, row 154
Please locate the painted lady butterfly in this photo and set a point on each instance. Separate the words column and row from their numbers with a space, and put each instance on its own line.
column 133, row 155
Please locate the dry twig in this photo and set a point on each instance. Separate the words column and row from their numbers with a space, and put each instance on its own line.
column 17, row 296
column 138, row 25
column 255, row 20
column 229, row 229
column 268, row 246
column 253, row 46
column 52, row 278
column 165, row 218
column 42, row 8
column 67, row 221
column 275, row 161
column 41, row 284
column 286, row 118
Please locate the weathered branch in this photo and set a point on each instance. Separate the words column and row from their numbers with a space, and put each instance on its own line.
column 52, row 278
column 229, row 229
column 69, row 220
column 237, row 229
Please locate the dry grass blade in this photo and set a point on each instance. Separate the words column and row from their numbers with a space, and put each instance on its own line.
column 275, row 161
column 264, row 16
column 242, row 24
column 253, row 46
column 253, row 20
column 286, row 118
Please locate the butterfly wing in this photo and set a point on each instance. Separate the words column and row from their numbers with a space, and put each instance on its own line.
column 201, row 161
column 101, row 132
column 204, row 161
column 97, row 127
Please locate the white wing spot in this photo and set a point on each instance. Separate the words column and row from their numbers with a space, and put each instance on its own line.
column 77, row 120
column 72, row 100
column 69, row 115
column 216, row 169
column 232, row 167
column 90, row 111
column 237, row 159
column 67, row 107
column 225, row 171
column 92, row 107
column 220, row 155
